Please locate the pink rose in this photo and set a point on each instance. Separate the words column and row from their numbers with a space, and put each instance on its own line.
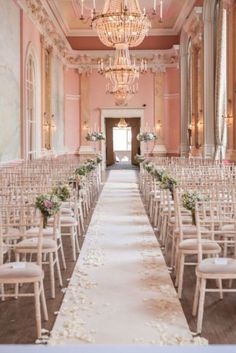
column 47, row 204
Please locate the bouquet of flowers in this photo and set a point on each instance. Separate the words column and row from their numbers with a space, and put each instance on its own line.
column 99, row 159
column 62, row 192
column 139, row 158
column 48, row 206
column 95, row 136
column 158, row 174
column 189, row 200
column 82, row 171
column 168, row 182
column 146, row 136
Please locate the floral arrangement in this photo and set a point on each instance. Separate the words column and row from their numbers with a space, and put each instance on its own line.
column 99, row 159
column 168, row 182
column 146, row 136
column 48, row 206
column 189, row 200
column 62, row 192
column 139, row 158
column 95, row 136
column 158, row 174
column 87, row 167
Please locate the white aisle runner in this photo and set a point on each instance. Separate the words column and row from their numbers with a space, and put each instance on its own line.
column 120, row 291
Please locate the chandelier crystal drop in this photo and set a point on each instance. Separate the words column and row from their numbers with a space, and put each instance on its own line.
column 121, row 21
column 122, row 123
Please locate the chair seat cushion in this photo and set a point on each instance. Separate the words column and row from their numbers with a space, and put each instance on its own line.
column 16, row 272
column 208, row 266
column 68, row 221
column 192, row 245
column 32, row 245
column 66, row 211
column 47, row 232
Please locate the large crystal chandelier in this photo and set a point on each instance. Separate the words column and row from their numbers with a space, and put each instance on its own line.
column 121, row 21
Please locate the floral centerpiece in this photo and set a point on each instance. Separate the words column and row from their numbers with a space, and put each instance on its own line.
column 168, row 182
column 95, row 136
column 48, row 206
column 189, row 200
column 62, row 192
column 146, row 136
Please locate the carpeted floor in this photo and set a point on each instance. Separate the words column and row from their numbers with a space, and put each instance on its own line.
column 123, row 165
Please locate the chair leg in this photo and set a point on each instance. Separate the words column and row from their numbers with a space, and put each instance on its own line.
column 43, row 301
column 196, row 297
column 62, row 254
column 201, row 305
column 37, row 309
column 52, row 276
column 219, row 281
column 2, row 292
column 181, row 276
column 58, row 269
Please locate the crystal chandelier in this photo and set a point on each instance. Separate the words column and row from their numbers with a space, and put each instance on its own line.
column 122, row 74
column 122, row 124
column 121, row 21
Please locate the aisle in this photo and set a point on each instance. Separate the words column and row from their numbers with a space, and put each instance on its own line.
column 120, row 291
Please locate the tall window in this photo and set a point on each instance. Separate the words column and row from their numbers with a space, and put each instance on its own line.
column 30, row 108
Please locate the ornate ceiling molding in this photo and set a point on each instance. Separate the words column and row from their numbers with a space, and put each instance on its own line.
column 43, row 17
column 175, row 30
column 194, row 27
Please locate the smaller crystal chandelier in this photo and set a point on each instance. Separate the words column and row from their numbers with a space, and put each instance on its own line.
column 122, row 124
column 122, row 75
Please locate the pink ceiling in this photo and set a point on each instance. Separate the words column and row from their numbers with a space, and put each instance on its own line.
column 81, row 37
column 151, row 42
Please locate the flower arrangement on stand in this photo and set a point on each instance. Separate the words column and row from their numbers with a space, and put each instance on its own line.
column 146, row 137
column 95, row 137
column 189, row 199
column 48, row 205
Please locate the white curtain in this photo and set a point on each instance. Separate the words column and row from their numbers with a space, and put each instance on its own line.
column 221, row 83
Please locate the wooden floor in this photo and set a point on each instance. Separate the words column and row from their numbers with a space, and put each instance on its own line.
column 17, row 320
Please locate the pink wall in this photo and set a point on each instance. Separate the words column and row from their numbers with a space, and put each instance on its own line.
column 29, row 34
column 171, row 121
column 99, row 99
column 72, row 118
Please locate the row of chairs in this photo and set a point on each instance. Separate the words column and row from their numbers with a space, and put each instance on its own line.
column 26, row 248
column 207, row 240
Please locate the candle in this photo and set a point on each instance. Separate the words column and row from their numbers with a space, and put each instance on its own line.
column 82, row 8
column 161, row 9
column 94, row 4
column 155, row 5
column 144, row 11
column 125, row 2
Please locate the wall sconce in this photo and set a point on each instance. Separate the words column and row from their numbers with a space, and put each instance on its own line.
column 229, row 117
column 191, row 126
column 85, row 125
column 200, row 124
column 158, row 126
column 53, row 123
column 45, row 122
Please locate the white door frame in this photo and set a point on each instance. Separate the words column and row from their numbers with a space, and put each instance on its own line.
column 119, row 113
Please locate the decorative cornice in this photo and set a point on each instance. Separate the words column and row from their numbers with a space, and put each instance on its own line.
column 194, row 27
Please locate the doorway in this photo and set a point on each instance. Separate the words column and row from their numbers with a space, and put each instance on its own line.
column 121, row 143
